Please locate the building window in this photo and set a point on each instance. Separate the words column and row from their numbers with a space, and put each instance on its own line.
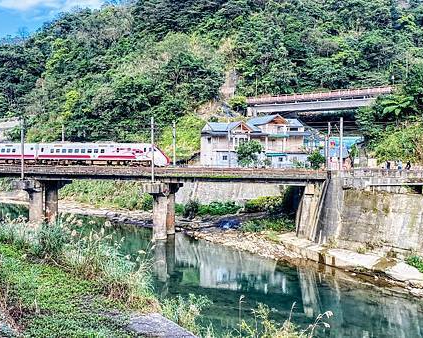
column 209, row 140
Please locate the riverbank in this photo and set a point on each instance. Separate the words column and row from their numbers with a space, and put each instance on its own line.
column 286, row 247
column 371, row 267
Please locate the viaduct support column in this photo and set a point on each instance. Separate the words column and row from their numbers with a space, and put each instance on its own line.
column 163, row 208
column 51, row 189
column 43, row 198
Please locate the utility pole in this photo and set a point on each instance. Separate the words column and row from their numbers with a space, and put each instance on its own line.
column 63, row 132
column 341, row 143
column 174, row 143
column 22, row 148
column 152, row 149
column 328, row 147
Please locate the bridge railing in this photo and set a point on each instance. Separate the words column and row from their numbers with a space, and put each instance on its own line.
column 377, row 173
column 316, row 96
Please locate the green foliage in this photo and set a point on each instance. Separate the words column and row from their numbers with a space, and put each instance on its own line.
column 270, row 204
column 265, row 327
column 194, row 208
column 415, row 261
column 316, row 160
column 91, row 257
column 188, row 130
column 186, row 312
column 121, row 195
column 248, row 153
column 46, row 300
column 393, row 126
column 277, row 224
column 238, row 104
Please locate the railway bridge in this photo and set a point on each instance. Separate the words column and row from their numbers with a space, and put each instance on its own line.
column 320, row 203
column 344, row 99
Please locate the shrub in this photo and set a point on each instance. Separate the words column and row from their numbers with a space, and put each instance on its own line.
column 269, row 204
column 280, row 224
column 416, row 261
column 191, row 209
column 194, row 208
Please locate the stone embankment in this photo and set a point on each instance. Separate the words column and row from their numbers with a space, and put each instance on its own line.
column 369, row 267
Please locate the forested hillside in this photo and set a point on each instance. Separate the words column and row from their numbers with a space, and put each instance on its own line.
column 105, row 73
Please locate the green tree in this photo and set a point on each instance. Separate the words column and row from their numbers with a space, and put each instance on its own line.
column 248, row 153
column 316, row 159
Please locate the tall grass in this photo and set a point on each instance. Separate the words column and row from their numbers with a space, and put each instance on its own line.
column 121, row 195
column 93, row 256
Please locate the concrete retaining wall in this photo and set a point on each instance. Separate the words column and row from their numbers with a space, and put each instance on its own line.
column 238, row 192
column 354, row 218
column 382, row 219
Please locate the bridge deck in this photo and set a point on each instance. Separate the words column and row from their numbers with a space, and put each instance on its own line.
column 184, row 174
column 321, row 96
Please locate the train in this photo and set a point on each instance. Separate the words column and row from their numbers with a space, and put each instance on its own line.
column 69, row 153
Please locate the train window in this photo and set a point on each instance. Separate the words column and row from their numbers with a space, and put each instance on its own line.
column 3, row 150
column 145, row 150
column 95, row 151
column 32, row 148
column 13, row 150
column 8, row 150
column 70, row 151
column 42, row 150
column 89, row 151
column 51, row 151
column 63, row 151
column 82, row 151
column 57, row 151
column 76, row 151
column 102, row 151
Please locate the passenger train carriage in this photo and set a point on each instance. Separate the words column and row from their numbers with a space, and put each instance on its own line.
column 84, row 153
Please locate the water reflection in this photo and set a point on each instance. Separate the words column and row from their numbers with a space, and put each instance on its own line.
column 183, row 266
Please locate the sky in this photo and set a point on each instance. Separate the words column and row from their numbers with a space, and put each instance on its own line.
column 16, row 15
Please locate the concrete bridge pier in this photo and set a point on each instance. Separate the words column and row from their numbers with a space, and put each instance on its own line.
column 163, row 208
column 51, row 189
column 43, row 198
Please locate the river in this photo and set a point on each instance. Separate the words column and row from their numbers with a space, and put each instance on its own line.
column 185, row 266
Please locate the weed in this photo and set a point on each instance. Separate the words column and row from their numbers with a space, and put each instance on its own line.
column 279, row 224
column 264, row 327
column 416, row 261
column 121, row 195
column 185, row 312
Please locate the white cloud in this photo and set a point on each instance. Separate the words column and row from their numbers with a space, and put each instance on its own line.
column 56, row 5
